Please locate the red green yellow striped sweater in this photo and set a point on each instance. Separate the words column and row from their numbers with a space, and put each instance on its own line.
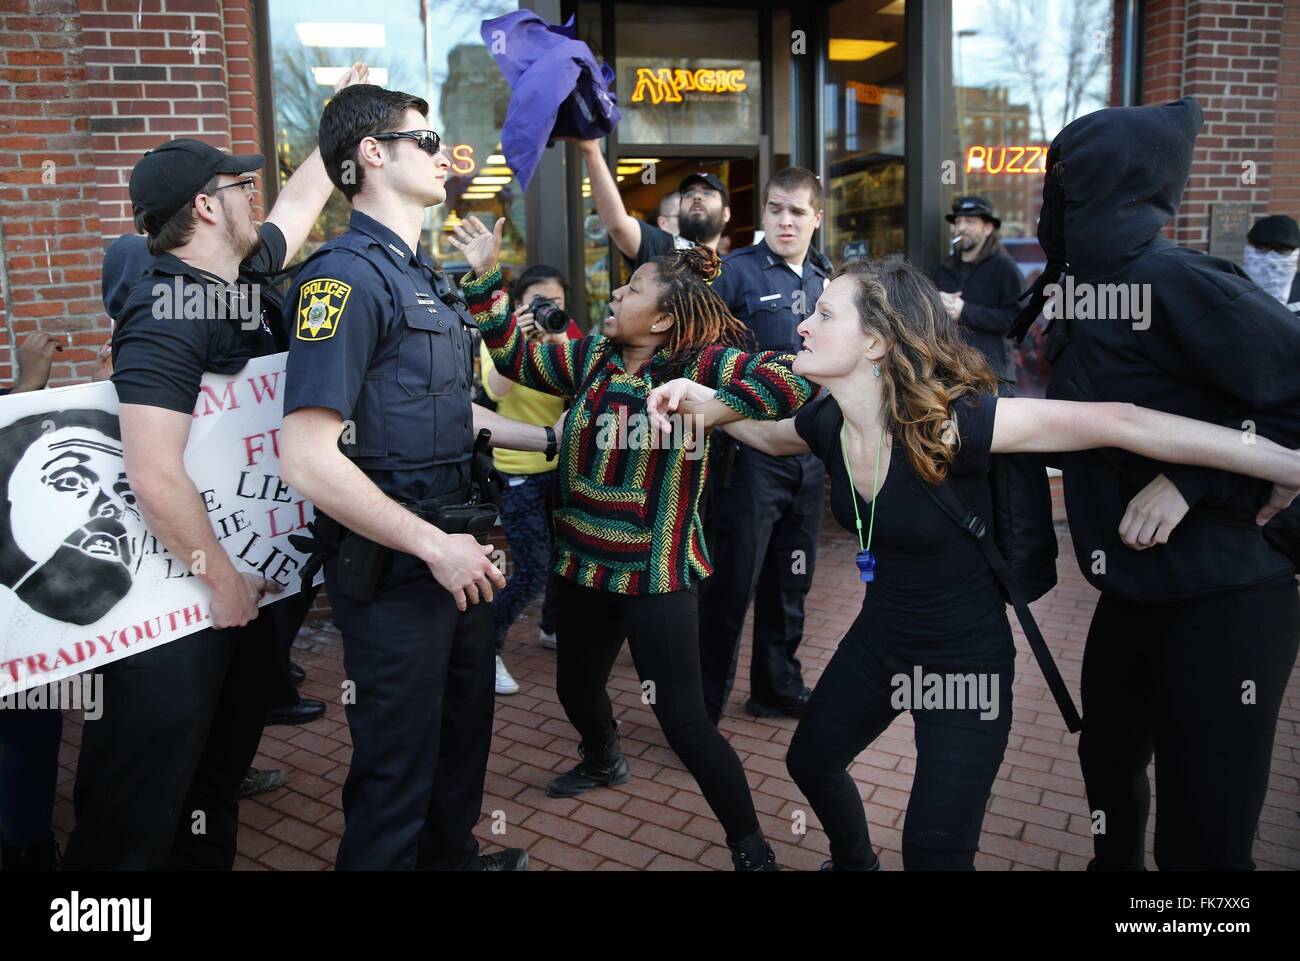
column 628, row 518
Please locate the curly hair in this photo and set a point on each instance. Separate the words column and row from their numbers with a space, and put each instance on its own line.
column 928, row 367
column 701, row 318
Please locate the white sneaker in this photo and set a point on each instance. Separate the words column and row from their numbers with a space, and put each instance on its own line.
column 505, row 683
column 546, row 639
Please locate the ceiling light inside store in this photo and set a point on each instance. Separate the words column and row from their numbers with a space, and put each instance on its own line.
column 484, row 181
column 340, row 35
column 329, row 76
column 857, row 50
column 495, row 170
column 895, row 9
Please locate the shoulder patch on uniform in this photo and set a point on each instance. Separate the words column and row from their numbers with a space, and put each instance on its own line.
column 320, row 308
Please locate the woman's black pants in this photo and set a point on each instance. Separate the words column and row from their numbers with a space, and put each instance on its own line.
column 662, row 631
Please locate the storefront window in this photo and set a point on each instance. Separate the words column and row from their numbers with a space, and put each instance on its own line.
column 431, row 49
column 1022, row 69
column 687, row 75
column 863, row 130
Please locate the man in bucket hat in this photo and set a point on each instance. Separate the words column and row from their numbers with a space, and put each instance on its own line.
column 980, row 283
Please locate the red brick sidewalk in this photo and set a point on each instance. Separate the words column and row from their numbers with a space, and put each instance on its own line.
column 1037, row 817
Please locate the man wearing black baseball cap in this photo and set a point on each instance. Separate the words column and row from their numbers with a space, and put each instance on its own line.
column 1270, row 257
column 160, row 771
column 702, row 217
column 980, row 283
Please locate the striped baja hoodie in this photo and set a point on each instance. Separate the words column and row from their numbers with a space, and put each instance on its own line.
column 628, row 519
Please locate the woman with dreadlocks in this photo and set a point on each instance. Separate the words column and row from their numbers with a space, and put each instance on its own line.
column 629, row 545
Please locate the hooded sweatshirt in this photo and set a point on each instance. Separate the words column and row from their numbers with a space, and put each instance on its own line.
column 1200, row 339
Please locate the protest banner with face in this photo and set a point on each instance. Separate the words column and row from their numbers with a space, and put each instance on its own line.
column 82, row 581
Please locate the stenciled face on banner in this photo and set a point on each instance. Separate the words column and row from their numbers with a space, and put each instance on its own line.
column 66, row 465
column 83, row 581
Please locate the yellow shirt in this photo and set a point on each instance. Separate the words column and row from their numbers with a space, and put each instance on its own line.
column 526, row 405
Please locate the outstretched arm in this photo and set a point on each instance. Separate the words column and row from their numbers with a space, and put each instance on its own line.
column 696, row 404
column 550, row 368
column 622, row 226
column 1028, row 425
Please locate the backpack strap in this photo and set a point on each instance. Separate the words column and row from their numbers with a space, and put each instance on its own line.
column 952, row 505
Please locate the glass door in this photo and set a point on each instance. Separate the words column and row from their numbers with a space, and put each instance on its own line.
column 863, row 101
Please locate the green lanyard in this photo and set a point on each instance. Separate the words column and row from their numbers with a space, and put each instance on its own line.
column 866, row 561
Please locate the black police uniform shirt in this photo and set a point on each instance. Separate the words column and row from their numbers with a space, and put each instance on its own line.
column 160, row 353
column 655, row 241
column 768, row 296
column 376, row 340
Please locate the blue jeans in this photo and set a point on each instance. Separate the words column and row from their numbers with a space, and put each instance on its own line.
column 526, row 519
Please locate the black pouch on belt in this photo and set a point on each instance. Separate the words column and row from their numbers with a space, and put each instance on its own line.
column 476, row 519
column 362, row 564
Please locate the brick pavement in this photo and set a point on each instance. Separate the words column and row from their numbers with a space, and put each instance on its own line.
column 1037, row 816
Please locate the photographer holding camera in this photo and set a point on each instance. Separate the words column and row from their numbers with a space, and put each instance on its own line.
column 529, row 480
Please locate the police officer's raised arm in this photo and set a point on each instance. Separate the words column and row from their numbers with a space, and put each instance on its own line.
column 337, row 315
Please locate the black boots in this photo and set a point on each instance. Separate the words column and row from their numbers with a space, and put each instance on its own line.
column 753, row 854
column 39, row 857
column 603, row 768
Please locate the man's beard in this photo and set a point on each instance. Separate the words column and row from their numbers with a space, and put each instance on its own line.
column 244, row 246
column 700, row 226
column 79, row 587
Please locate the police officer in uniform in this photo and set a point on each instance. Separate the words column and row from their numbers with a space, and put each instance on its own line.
column 379, row 434
column 159, row 775
column 766, row 511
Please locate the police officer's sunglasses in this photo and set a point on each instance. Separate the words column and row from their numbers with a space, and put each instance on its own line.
column 426, row 140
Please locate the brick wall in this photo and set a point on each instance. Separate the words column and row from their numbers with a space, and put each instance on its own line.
column 87, row 87
column 49, row 217
column 1228, row 56
column 1284, row 179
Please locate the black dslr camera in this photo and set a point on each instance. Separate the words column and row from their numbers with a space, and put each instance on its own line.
column 550, row 316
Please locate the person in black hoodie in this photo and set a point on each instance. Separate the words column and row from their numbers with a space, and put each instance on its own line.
column 910, row 405
column 980, row 284
column 1195, row 634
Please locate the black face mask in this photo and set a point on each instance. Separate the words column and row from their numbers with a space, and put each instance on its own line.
column 76, row 586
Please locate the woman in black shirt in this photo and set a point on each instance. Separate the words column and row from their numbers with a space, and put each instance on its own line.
column 911, row 404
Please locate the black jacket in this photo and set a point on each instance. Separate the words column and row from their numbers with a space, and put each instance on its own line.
column 1213, row 346
column 989, row 292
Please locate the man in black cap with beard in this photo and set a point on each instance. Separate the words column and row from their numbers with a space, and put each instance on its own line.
column 702, row 217
column 979, row 284
column 1195, row 634
column 160, row 771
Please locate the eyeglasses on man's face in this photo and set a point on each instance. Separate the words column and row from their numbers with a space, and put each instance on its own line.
column 248, row 183
column 426, row 140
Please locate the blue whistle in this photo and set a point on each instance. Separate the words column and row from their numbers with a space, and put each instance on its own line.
column 866, row 562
